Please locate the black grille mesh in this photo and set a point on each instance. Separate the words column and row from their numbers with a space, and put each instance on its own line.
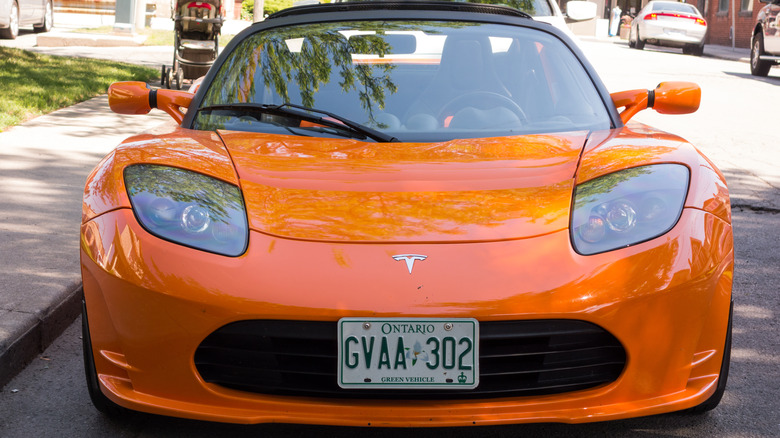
column 517, row 358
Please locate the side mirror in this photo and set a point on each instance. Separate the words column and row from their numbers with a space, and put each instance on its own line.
column 666, row 98
column 138, row 98
column 580, row 10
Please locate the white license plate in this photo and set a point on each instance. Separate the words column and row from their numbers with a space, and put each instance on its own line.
column 676, row 32
column 408, row 353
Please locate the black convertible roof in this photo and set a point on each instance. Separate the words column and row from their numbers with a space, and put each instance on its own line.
column 398, row 5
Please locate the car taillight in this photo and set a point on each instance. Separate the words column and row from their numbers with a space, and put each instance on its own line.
column 655, row 15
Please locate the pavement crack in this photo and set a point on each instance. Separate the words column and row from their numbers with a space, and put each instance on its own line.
column 755, row 209
column 5, row 309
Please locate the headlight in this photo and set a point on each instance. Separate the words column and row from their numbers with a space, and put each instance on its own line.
column 627, row 207
column 188, row 208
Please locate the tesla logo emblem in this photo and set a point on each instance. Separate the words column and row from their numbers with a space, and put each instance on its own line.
column 410, row 259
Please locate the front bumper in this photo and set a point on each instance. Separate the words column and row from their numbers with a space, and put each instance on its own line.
column 151, row 303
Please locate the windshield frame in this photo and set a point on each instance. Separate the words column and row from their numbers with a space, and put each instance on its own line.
column 412, row 11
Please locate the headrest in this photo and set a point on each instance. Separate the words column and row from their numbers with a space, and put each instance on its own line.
column 398, row 44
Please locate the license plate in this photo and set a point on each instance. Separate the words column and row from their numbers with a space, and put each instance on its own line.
column 408, row 353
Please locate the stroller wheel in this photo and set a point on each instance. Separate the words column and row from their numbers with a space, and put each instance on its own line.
column 163, row 77
column 169, row 78
column 179, row 78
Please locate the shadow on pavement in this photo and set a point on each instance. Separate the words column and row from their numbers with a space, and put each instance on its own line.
column 769, row 79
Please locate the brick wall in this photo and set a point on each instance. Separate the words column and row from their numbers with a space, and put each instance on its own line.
column 719, row 23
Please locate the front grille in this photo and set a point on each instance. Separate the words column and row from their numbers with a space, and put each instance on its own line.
column 517, row 358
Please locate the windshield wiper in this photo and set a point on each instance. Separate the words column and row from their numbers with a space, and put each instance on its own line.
column 305, row 113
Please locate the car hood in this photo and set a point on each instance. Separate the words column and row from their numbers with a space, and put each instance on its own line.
column 463, row 190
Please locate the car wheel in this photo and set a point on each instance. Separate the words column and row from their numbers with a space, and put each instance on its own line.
column 12, row 30
column 639, row 43
column 99, row 400
column 757, row 66
column 179, row 78
column 48, row 20
column 693, row 50
column 631, row 40
column 715, row 398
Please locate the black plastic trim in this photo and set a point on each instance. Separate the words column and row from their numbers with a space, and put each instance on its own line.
column 152, row 98
column 517, row 358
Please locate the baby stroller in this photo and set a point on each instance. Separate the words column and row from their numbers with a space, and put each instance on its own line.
column 197, row 26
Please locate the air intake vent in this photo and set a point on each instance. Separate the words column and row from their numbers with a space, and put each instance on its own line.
column 517, row 358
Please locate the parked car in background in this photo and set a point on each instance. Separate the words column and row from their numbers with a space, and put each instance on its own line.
column 670, row 24
column 16, row 13
column 765, row 42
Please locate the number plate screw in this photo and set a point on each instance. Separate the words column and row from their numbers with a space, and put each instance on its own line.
column 366, row 325
column 448, row 326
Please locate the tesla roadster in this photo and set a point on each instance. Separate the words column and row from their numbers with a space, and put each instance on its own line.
column 405, row 214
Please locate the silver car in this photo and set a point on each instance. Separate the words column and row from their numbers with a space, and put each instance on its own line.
column 16, row 13
column 670, row 24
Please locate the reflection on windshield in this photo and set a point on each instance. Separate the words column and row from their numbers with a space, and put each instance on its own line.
column 417, row 81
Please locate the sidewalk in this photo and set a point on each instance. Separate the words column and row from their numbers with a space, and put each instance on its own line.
column 43, row 167
column 63, row 40
column 66, row 27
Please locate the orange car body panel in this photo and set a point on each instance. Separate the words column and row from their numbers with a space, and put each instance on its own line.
column 493, row 255
column 134, row 98
column 307, row 188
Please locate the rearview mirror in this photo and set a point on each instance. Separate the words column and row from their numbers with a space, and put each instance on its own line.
column 138, row 98
column 666, row 98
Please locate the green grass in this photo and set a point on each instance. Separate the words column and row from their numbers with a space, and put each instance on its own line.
column 154, row 37
column 35, row 84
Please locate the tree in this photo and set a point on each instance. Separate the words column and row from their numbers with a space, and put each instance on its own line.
column 325, row 54
column 268, row 6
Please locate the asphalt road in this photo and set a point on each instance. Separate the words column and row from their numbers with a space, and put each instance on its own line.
column 49, row 398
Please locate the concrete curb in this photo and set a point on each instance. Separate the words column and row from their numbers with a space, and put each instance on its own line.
column 726, row 57
column 25, row 335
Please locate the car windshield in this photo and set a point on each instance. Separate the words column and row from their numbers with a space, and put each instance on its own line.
column 674, row 7
column 406, row 80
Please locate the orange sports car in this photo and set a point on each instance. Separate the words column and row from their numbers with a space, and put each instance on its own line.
column 405, row 214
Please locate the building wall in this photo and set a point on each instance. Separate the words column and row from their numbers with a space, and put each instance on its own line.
column 719, row 22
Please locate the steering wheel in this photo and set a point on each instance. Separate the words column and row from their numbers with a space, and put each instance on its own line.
column 482, row 100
